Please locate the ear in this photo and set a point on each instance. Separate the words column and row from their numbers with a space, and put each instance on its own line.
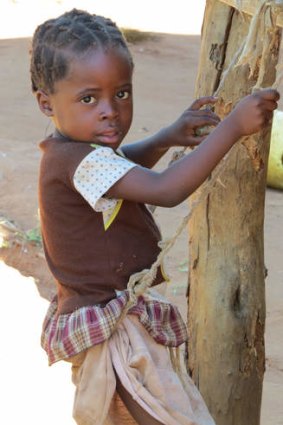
column 44, row 103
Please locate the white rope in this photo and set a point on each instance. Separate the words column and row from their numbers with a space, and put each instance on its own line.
column 261, row 39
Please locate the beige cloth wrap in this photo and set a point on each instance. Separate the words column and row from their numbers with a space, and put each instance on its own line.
column 145, row 370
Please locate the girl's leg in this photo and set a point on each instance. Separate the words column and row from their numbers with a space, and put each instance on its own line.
column 138, row 413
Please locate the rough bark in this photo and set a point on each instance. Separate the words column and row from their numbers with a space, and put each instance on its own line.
column 226, row 296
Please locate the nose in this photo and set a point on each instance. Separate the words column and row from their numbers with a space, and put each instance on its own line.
column 108, row 110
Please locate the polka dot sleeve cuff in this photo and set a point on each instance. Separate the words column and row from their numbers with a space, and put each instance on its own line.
column 97, row 173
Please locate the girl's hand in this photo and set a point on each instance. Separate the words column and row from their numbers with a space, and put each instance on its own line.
column 183, row 132
column 253, row 112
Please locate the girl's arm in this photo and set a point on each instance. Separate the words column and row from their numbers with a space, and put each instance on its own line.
column 147, row 152
column 176, row 183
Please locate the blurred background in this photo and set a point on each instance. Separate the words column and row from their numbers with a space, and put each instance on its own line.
column 18, row 18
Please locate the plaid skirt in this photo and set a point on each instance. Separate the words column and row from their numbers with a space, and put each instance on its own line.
column 66, row 335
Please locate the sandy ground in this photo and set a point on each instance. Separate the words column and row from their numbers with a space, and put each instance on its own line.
column 164, row 83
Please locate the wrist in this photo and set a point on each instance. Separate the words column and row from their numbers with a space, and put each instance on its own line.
column 166, row 138
column 235, row 130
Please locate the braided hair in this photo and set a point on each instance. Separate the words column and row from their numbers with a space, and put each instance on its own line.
column 76, row 31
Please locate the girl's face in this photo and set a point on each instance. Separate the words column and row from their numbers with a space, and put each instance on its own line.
column 94, row 102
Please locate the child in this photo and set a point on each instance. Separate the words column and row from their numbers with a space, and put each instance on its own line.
column 97, row 231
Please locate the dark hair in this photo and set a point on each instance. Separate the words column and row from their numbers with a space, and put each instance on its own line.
column 74, row 31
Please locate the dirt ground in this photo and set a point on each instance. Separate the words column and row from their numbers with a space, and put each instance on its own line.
column 163, row 87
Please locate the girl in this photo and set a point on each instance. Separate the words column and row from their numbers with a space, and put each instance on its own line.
column 97, row 231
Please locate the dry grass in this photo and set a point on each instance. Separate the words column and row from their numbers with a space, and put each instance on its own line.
column 135, row 36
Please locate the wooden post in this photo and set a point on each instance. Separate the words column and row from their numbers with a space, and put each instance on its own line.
column 226, row 296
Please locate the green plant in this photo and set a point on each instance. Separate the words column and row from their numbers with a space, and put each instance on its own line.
column 34, row 235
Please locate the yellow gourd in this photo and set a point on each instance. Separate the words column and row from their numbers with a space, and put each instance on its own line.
column 275, row 162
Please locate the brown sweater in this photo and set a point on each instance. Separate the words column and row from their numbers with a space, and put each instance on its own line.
column 88, row 262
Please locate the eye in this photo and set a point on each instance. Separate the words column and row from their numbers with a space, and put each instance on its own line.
column 87, row 100
column 123, row 94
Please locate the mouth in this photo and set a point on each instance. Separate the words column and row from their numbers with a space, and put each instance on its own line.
column 110, row 136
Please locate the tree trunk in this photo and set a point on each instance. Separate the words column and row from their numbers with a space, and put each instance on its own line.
column 226, row 296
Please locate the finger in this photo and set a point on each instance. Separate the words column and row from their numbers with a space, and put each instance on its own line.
column 269, row 116
column 204, row 120
column 266, row 119
column 203, row 114
column 209, row 115
column 199, row 103
column 266, row 123
column 270, row 105
column 196, row 140
column 268, row 94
